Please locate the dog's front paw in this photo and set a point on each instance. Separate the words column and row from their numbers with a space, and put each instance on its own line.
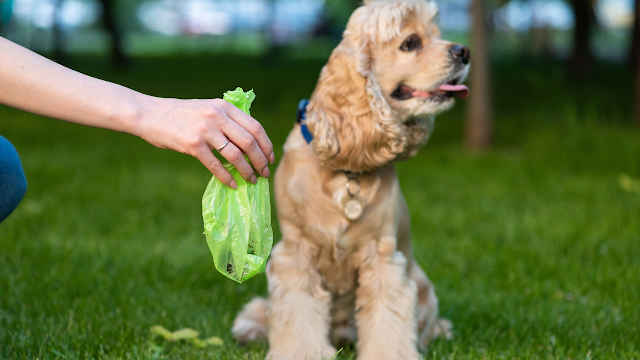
column 299, row 353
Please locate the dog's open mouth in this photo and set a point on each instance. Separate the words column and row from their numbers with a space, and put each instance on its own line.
column 444, row 91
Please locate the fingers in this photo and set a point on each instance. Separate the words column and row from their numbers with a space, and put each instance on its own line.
column 214, row 165
column 255, row 129
column 245, row 135
column 195, row 127
column 244, row 142
column 236, row 158
column 234, row 155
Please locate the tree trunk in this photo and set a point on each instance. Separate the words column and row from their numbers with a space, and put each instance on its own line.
column 59, row 55
column 581, row 59
column 636, row 99
column 275, row 47
column 110, row 21
column 635, row 51
column 5, row 14
column 635, row 37
column 479, row 129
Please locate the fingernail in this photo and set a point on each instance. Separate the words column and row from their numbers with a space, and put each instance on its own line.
column 272, row 158
column 233, row 185
column 266, row 172
column 253, row 180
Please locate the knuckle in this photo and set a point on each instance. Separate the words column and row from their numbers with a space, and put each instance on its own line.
column 202, row 127
column 269, row 147
column 220, row 105
column 247, row 174
column 255, row 127
column 219, row 102
column 216, row 167
column 211, row 112
column 193, row 142
column 262, row 163
column 234, row 155
column 248, row 141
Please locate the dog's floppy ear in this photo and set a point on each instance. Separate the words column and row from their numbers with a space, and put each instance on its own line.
column 349, row 118
column 353, row 125
column 336, row 106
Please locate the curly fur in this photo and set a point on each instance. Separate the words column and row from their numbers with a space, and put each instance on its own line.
column 332, row 280
column 353, row 125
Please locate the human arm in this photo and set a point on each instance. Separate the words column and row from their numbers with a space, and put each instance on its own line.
column 35, row 84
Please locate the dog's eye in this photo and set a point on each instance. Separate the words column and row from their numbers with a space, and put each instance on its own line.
column 411, row 43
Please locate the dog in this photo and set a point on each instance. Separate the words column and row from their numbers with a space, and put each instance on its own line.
column 344, row 269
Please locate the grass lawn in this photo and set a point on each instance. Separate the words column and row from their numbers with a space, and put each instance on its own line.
column 534, row 246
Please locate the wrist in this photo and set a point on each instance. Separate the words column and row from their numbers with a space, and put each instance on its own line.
column 134, row 117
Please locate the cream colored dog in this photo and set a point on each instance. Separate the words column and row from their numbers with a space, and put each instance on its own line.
column 344, row 268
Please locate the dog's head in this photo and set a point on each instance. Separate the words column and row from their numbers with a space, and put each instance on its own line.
column 387, row 78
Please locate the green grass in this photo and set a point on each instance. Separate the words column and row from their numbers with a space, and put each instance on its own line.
column 534, row 247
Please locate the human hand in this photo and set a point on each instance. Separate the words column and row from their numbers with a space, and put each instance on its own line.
column 196, row 127
column 33, row 83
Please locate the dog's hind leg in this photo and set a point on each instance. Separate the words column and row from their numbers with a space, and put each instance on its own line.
column 429, row 325
column 385, row 305
column 251, row 323
column 298, row 305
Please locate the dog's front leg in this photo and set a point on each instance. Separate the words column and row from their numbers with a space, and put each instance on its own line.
column 385, row 304
column 299, row 306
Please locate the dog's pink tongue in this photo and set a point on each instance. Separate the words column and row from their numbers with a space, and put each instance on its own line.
column 460, row 91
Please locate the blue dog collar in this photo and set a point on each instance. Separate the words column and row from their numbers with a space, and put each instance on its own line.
column 301, row 118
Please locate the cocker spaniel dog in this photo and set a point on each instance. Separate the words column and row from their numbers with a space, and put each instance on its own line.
column 344, row 269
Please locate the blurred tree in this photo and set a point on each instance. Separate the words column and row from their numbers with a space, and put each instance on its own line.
column 5, row 13
column 110, row 22
column 635, row 36
column 635, row 57
column 339, row 11
column 584, row 17
column 275, row 47
column 59, row 55
column 479, row 127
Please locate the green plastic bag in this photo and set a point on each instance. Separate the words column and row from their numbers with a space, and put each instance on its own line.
column 237, row 223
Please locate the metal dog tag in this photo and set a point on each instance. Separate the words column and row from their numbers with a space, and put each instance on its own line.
column 353, row 206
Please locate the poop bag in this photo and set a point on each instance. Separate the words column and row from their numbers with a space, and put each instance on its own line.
column 237, row 223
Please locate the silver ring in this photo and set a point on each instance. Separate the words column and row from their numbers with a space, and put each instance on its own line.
column 222, row 147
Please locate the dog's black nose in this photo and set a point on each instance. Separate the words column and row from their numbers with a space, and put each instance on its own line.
column 460, row 52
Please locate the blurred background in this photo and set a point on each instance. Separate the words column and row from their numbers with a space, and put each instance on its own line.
column 160, row 27
column 524, row 203
column 574, row 32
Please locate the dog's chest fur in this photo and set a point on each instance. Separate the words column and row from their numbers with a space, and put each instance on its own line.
column 310, row 208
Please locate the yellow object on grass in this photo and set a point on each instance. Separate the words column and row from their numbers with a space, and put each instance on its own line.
column 186, row 334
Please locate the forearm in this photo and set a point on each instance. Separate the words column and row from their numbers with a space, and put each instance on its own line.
column 35, row 84
column 32, row 83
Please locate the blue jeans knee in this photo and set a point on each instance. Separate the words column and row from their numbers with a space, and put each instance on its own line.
column 13, row 182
